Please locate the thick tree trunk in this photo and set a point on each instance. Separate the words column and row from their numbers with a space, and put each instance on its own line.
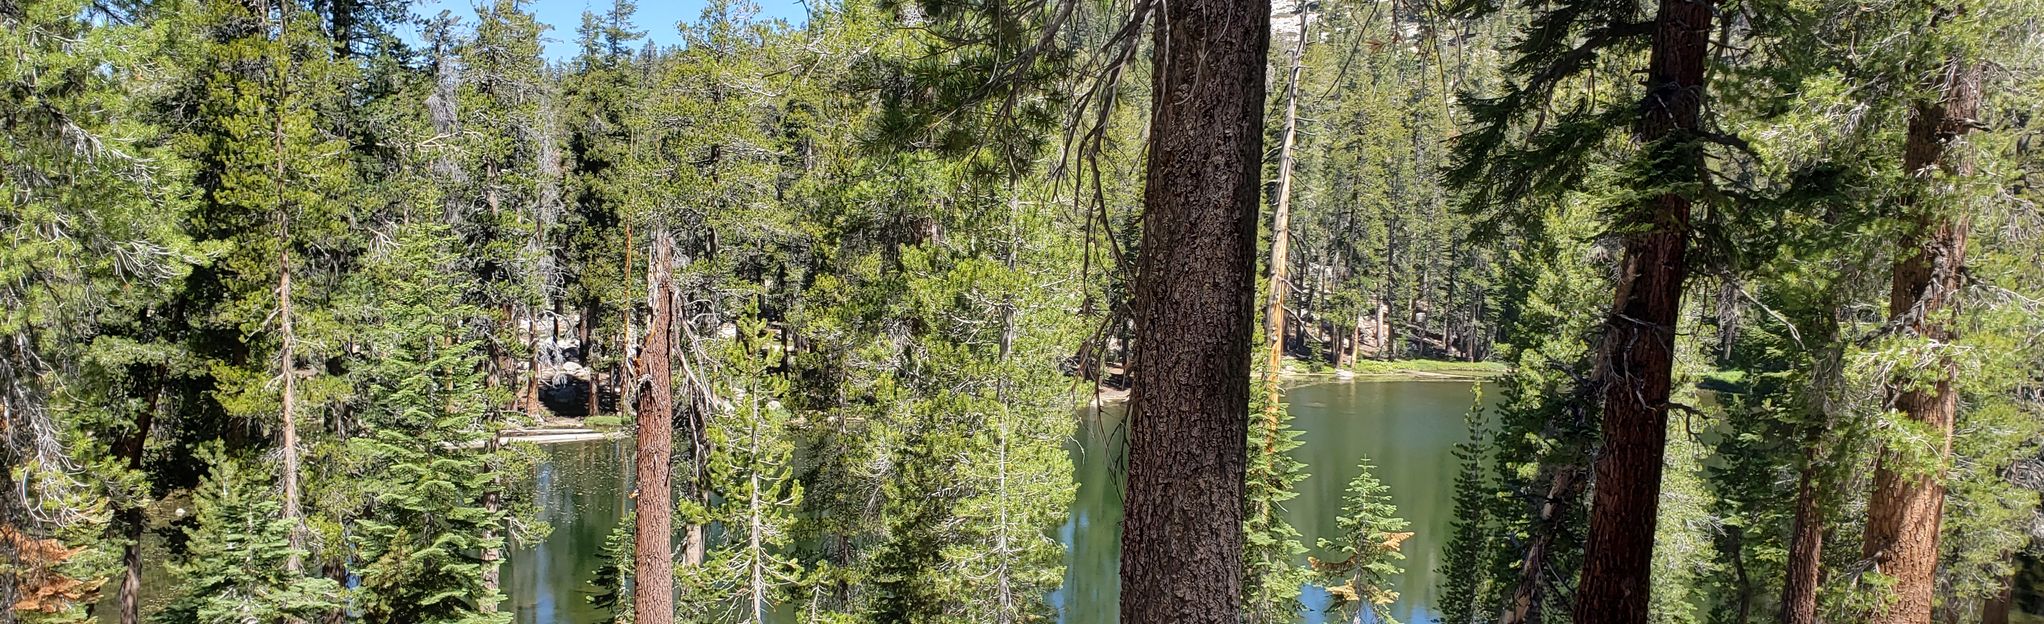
column 1639, row 339
column 653, row 532
column 1806, row 549
column 1182, row 537
column 1906, row 508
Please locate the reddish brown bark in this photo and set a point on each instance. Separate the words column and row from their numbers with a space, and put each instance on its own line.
column 1907, row 505
column 653, row 495
column 1189, row 416
column 1639, row 338
column 1806, row 550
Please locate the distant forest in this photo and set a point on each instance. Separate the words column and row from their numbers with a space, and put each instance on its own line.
column 291, row 290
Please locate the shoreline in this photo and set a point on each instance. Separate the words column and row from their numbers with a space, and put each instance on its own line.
column 1294, row 375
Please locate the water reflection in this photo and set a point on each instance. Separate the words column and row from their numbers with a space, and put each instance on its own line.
column 1407, row 428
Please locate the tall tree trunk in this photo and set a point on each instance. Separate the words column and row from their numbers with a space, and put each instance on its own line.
column 584, row 330
column 1906, row 508
column 286, row 357
column 1194, row 299
column 286, row 362
column 653, row 531
column 1806, row 548
column 1280, row 258
column 1639, row 339
column 130, row 596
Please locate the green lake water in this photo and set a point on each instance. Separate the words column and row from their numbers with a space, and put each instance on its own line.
column 1406, row 428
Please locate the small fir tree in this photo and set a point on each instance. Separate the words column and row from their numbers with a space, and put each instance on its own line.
column 1371, row 532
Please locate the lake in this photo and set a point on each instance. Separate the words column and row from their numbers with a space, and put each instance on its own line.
column 1406, row 428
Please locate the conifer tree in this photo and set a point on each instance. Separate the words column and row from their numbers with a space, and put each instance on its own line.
column 1904, row 513
column 1271, row 545
column 272, row 187
column 503, row 208
column 1464, row 587
column 1371, row 532
column 237, row 568
column 751, row 472
column 601, row 95
column 1636, row 376
column 92, row 220
column 426, row 461
column 1194, row 316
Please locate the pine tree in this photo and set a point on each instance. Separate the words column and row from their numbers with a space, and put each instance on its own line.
column 1271, row 547
column 1194, row 316
column 272, row 190
column 1368, row 544
column 94, row 249
column 751, row 470
column 499, row 208
column 504, row 206
column 601, row 95
column 237, row 568
column 426, row 462
column 1463, row 587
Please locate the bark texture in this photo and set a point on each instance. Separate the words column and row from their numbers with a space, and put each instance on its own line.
column 1806, row 550
column 1906, row 509
column 1639, row 336
column 1189, row 415
column 653, row 528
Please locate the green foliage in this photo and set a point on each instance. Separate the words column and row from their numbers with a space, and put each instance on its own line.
column 610, row 588
column 1271, row 549
column 751, row 475
column 429, row 466
column 904, row 234
column 233, row 570
column 1470, row 533
column 1370, row 533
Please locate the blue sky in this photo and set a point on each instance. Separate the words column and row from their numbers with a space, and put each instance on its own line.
column 656, row 18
